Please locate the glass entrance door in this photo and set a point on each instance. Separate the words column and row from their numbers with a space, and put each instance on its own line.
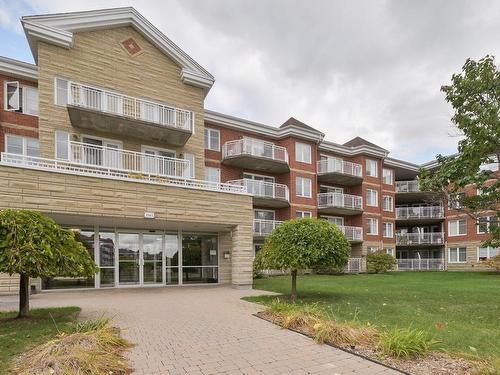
column 128, row 259
column 152, row 255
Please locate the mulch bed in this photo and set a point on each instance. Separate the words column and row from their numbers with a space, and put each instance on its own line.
column 435, row 363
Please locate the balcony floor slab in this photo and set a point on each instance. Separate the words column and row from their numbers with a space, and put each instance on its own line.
column 257, row 163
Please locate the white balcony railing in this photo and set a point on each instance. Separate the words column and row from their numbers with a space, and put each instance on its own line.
column 263, row 189
column 264, row 227
column 436, row 238
column 128, row 161
column 354, row 265
column 407, row 186
column 333, row 165
column 419, row 212
column 254, row 148
column 80, row 169
column 326, row 200
column 138, row 109
column 352, row 233
column 420, row 264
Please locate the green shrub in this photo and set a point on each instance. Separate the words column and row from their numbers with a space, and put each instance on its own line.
column 380, row 261
column 494, row 263
column 406, row 342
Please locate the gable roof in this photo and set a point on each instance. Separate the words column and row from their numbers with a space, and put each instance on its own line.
column 358, row 141
column 58, row 29
column 294, row 122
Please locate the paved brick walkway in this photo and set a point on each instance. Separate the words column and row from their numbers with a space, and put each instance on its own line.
column 209, row 330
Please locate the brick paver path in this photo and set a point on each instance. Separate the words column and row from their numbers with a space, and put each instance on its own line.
column 204, row 330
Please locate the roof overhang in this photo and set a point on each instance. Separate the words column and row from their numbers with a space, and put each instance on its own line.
column 59, row 29
column 353, row 151
column 18, row 69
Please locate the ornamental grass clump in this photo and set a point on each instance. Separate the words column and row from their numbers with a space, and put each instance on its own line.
column 92, row 348
column 406, row 342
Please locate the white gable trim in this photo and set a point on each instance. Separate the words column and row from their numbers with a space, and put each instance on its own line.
column 18, row 69
column 58, row 29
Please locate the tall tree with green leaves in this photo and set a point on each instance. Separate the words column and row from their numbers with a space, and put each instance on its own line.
column 302, row 244
column 474, row 94
column 33, row 245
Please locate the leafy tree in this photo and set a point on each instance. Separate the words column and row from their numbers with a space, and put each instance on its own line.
column 379, row 261
column 33, row 245
column 303, row 244
column 475, row 97
column 493, row 263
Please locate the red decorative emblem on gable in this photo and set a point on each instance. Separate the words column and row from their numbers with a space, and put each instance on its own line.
column 131, row 46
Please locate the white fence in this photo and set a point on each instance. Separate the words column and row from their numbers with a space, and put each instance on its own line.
column 354, row 265
column 264, row 227
column 117, row 104
column 326, row 200
column 334, row 165
column 263, row 189
column 420, row 265
column 407, row 186
column 255, row 148
column 408, row 239
column 419, row 212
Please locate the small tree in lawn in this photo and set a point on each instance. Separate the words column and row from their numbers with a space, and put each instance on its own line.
column 33, row 245
column 302, row 244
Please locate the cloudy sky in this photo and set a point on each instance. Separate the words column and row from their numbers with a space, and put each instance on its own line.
column 348, row 68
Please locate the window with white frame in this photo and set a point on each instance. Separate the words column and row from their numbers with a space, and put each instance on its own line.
column 388, row 176
column 388, row 230
column 388, row 202
column 457, row 254
column 372, row 249
column 303, row 187
column 61, row 91
column 389, row 250
column 372, row 226
column 371, row 168
column 337, row 220
column 21, row 98
column 212, row 139
column 23, row 146
column 62, row 145
column 484, row 222
column 485, row 253
column 212, row 174
column 372, row 197
column 457, row 227
column 190, row 173
column 302, row 214
column 303, row 152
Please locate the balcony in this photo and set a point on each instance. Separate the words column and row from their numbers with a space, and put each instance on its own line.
column 420, row 214
column 407, row 186
column 111, row 112
column 353, row 234
column 420, row 264
column 105, row 165
column 258, row 155
column 262, row 228
column 417, row 239
column 339, row 204
column 265, row 194
column 338, row 171
column 409, row 191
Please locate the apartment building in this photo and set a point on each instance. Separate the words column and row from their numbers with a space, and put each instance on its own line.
column 108, row 135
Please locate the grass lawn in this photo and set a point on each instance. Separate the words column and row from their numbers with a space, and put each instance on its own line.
column 460, row 309
column 20, row 335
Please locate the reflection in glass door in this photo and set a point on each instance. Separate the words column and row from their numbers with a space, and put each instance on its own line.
column 128, row 258
column 152, row 254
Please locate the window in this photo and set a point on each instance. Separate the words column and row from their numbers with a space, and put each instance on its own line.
column 457, row 254
column 212, row 174
column 372, row 226
column 372, row 249
column 388, row 230
column 303, row 152
column 337, row 220
column 22, row 99
column 483, row 224
column 455, row 201
column 371, row 168
column 22, row 146
column 190, row 172
column 388, row 203
column 62, row 145
column 484, row 253
column 388, row 176
column 302, row 214
column 263, row 215
column 372, row 197
column 389, row 250
column 457, row 227
column 303, row 187
column 212, row 139
column 61, row 92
